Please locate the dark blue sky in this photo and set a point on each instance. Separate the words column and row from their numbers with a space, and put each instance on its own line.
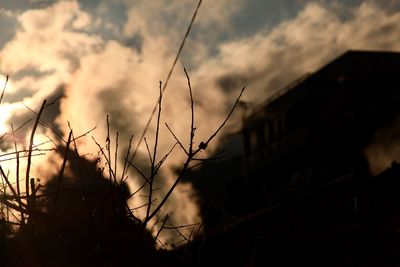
column 252, row 17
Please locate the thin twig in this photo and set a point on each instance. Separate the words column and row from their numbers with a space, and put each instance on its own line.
column 140, row 188
column 61, row 175
column 28, row 168
column 224, row 122
column 32, row 155
column 54, row 101
column 148, row 150
column 153, row 168
column 161, row 162
column 8, row 183
column 144, row 205
column 105, row 156
column 126, row 158
column 36, row 149
column 139, row 171
column 182, row 235
column 108, row 149
column 181, row 226
column 167, row 195
column 176, row 139
column 18, row 128
column 192, row 129
column 116, row 156
column 17, row 174
column 4, row 89
column 161, row 228
column 78, row 159
column 84, row 134
column 22, row 125
column 189, row 158
column 46, row 124
column 167, row 80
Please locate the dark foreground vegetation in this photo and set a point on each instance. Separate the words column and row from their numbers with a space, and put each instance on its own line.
column 80, row 217
column 85, row 224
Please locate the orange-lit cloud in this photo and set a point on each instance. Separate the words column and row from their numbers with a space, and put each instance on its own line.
column 268, row 61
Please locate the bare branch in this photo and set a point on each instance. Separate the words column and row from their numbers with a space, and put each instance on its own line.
column 138, row 171
column 192, row 129
column 167, row 195
column 144, row 205
column 108, row 149
column 148, row 150
column 61, row 175
column 202, row 145
column 84, row 134
column 28, row 168
column 189, row 158
column 105, row 156
column 126, row 158
column 17, row 174
column 116, row 155
column 153, row 168
column 176, row 139
column 157, row 128
column 168, row 78
column 161, row 162
column 161, row 228
column 78, row 158
column 54, row 101
column 181, row 226
column 140, row 188
column 45, row 124
column 5, row 177
column 4, row 89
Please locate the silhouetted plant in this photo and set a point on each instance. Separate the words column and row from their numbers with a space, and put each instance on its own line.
column 81, row 217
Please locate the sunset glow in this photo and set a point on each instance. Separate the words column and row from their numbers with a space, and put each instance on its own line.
column 93, row 60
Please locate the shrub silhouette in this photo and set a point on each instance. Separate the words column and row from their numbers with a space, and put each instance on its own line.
column 80, row 217
column 85, row 223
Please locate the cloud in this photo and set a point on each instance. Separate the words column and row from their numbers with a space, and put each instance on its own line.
column 126, row 88
column 160, row 17
column 171, row 19
column 383, row 150
column 264, row 63
column 51, row 49
column 268, row 61
column 47, row 42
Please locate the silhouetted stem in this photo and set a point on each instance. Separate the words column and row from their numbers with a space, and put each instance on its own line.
column 28, row 167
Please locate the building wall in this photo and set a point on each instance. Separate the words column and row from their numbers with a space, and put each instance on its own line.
column 317, row 130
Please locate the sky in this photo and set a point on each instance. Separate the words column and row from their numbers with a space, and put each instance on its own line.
column 108, row 56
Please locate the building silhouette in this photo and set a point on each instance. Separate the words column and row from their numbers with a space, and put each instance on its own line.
column 316, row 130
column 300, row 190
